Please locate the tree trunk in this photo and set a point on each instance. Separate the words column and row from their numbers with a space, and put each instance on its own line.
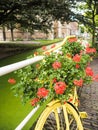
column 12, row 34
column 93, row 37
column 94, row 24
column 4, row 33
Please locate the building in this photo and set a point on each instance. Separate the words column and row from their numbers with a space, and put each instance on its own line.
column 58, row 31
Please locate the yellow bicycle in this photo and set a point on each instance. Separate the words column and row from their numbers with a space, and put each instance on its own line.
column 64, row 116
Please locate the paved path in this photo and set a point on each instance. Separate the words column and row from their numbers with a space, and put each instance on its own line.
column 89, row 101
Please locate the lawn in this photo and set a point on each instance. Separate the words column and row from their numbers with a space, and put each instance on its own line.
column 12, row 111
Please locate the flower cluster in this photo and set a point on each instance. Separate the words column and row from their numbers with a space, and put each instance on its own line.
column 58, row 74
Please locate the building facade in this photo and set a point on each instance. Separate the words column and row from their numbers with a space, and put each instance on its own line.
column 58, row 31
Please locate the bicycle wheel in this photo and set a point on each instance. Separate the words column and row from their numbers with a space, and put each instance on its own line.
column 59, row 117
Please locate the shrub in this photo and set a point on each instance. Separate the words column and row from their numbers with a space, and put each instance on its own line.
column 57, row 74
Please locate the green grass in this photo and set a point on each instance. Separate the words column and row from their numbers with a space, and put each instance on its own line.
column 12, row 111
column 45, row 41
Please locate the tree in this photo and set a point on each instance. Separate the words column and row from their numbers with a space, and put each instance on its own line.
column 34, row 14
column 87, row 13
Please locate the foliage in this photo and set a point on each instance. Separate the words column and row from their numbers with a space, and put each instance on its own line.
column 87, row 14
column 33, row 14
column 57, row 75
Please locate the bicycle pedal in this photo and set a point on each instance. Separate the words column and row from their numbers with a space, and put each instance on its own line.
column 83, row 114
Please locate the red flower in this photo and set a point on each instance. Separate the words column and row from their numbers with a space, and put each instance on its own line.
column 53, row 46
column 90, row 50
column 78, row 82
column 70, row 100
column 35, row 53
column 56, row 65
column 34, row 101
column 95, row 78
column 77, row 58
column 12, row 81
column 77, row 66
column 60, row 87
column 54, row 80
column 89, row 71
column 72, row 40
column 37, row 65
column 43, row 47
column 47, row 53
column 42, row 92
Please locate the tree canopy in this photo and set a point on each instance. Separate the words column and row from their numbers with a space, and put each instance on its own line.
column 87, row 15
column 34, row 14
column 39, row 14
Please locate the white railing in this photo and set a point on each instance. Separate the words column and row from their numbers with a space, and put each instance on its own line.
column 10, row 68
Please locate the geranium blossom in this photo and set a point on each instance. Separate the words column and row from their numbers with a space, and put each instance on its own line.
column 54, row 80
column 77, row 66
column 95, row 78
column 53, row 46
column 90, row 50
column 12, row 81
column 42, row 92
column 59, row 73
column 34, row 101
column 43, row 47
column 37, row 65
column 89, row 71
column 76, row 58
column 78, row 82
column 70, row 100
column 56, row 65
column 60, row 87
column 47, row 53
column 72, row 40
column 35, row 53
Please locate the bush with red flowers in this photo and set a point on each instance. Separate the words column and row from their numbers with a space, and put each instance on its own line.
column 57, row 75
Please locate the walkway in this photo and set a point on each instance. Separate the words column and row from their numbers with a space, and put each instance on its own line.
column 89, row 101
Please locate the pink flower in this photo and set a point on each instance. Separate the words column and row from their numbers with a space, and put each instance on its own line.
column 78, row 82
column 37, row 65
column 54, row 80
column 12, row 81
column 95, row 78
column 60, row 87
column 47, row 53
column 34, row 101
column 70, row 100
column 35, row 53
column 53, row 46
column 56, row 65
column 89, row 71
column 43, row 47
column 42, row 92
column 77, row 66
column 90, row 50
column 72, row 40
column 77, row 58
